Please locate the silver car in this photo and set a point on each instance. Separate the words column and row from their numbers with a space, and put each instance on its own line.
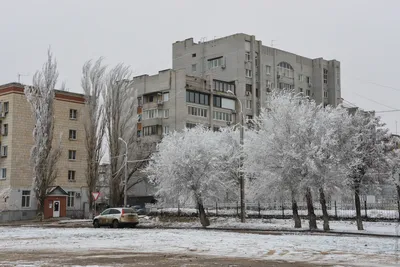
column 116, row 217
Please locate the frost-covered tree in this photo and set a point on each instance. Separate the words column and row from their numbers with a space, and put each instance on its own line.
column 93, row 84
column 363, row 151
column 120, row 105
column 193, row 165
column 46, row 151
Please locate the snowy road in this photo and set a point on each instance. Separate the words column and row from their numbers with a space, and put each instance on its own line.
column 342, row 250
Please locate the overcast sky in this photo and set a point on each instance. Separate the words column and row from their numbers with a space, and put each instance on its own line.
column 363, row 35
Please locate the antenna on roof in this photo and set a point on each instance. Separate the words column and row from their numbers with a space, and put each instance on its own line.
column 19, row 75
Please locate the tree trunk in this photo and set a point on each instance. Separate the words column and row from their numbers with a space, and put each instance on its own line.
column 202, row 214
column 325, row 215
column 398, row 199
column 358, row 206
column 296, row 217
column 312, row 219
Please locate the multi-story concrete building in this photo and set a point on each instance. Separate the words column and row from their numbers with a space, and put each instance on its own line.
column 17, row 123
column 256, row 69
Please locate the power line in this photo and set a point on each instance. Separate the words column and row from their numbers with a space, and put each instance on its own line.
column 377, row 84
column 376, row 102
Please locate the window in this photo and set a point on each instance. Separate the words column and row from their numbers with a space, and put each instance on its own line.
column 26, row 199
column 165, row 97
column 216, row 128
column 194, row 55
column 72, row 134
column 71, row 176
column 222, row 116
column 5, row 107
column 247, row 56
column 337, row 76
column 308, row 93
column 308, row 79
column 248, row 104
column 194, row 66
column 217, row 101
column 247, row 45
column 71, row 199
column 325, row 76
column 150, row 130
column 285, row 69
column 215, row 62
column 286, row 86
column 150, row 98
column 249, row 73
column 190, row 125
column 72, row 154
column 268, row 70
column 73, row 114
column 140, row 102
column 4, row 151
column 5, row 129
column 200, row 112
column 325, row 94
column 222, row 86
column 257, row 92
column 197, row 98
column 249, row 118
column 166, row 113
column 3, row 173
column 166, row 130
column 301, row 90
column 301, row 77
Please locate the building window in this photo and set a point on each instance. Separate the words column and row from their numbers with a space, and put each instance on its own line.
column 165, row 97
column 308, row 79
column 194, row 55
column 301, row 90
column 71, row 176
column 285, row 69
column 194, row 66
column 166, row 113
column 337, row 76
column 72, row 154
column 308, row 93
column 150, row 98
column 190, row 125
column 249, row 73
column 5, row 107
column 150, row 130
column 301, row 77
column 217, row 101
column 248, row 104
column 72, row 134
column 71, row 199
column 3, row 173
column 222, row 116
column 325, row 76
column 268, row 70
column 197, row 98
column 247, row 46
column 247, row 56
column 214, row 62
column 5, row 129
column 216, row 128
column 73, row 114
column 166, row 130
column 199, row 112
column 222, row 86
column 325, row 94
column 285, row 86
column 26, row 199
column 4, row 151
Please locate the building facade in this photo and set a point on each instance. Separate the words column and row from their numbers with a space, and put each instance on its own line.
column 256, row 69
column 17, row 124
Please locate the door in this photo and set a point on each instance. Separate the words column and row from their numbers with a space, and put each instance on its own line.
column 56, row 209
column 103, row 217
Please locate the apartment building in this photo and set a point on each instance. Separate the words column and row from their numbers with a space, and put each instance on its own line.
column 17, row 123
column 256, row 69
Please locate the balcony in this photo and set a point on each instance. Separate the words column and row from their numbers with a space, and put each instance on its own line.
column 150, row 122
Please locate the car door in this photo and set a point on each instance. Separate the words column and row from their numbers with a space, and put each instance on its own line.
column 103, row 217
column 114, row 214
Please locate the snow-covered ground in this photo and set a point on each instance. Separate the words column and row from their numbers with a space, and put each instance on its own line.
column 339, row 250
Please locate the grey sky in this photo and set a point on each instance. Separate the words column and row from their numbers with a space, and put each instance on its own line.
column 363, row 35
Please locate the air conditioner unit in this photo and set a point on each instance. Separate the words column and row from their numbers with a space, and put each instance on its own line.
column 78, row 195
column 160, row 102
column 223, row 66
column 310, row 85
column 248, row 93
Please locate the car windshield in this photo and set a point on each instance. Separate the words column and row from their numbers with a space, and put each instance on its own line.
column 105, row 212
column 129, row 210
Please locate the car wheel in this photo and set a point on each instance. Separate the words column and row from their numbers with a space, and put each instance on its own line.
column 115, row 224
column 96, row 224
column 133, row 225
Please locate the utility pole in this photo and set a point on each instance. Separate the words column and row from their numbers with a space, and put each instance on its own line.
column 126, row 172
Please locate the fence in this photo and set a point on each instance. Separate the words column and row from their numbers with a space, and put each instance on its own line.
column 17, row 215
column 336, row 210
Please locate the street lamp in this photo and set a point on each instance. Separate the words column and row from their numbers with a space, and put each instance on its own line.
column 126, row 171
column 241, row 174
